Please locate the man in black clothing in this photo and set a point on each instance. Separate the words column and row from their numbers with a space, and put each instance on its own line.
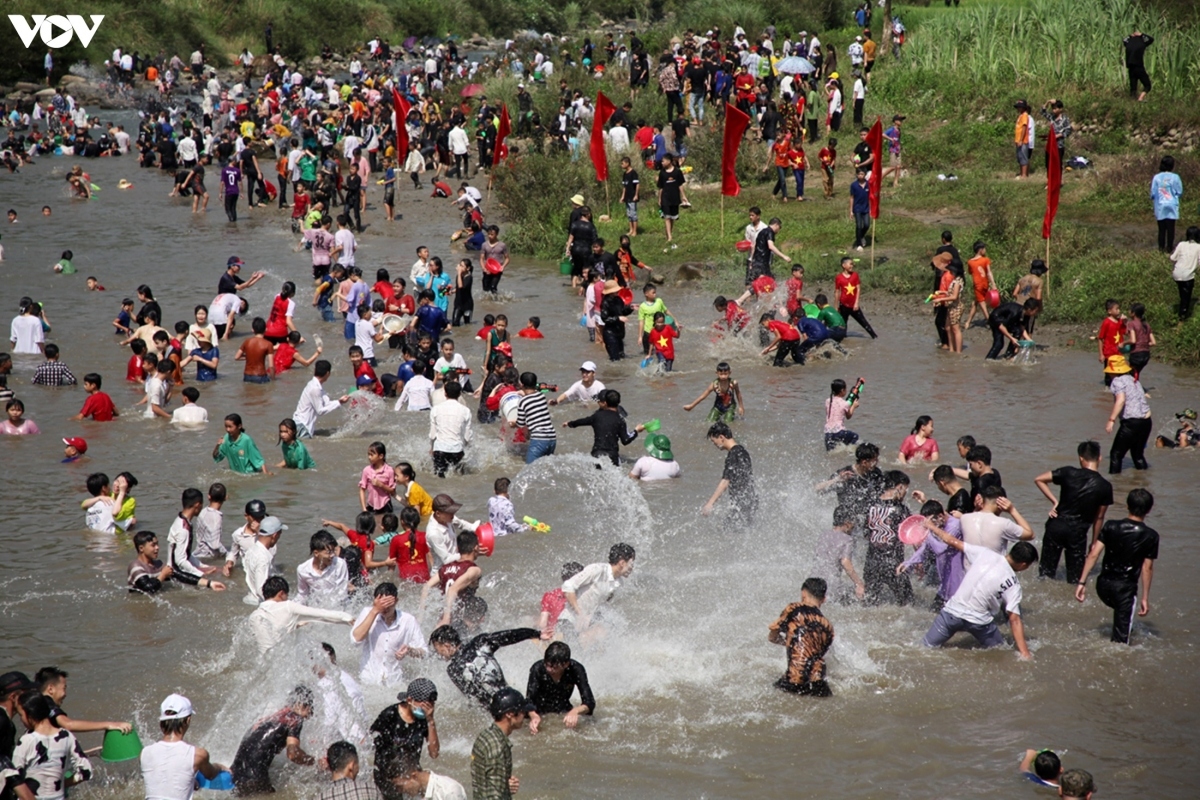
column 1009, row 322
column 473, row 667
column 1135, row 53
column 353, row 189
column 524, row 111
column 979, row 469
column 554, row 679
column 863, row 157
column 608, row 428
column 12, row 684
column 400, row 735
column 1083, row 500
column 737, row 478
column 1129, row 548
column 857, row 486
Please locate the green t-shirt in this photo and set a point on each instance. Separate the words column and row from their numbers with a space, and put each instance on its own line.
column 831, row 318
column 646, row 312
column 67, row 267
column 242, row 455
column 308, row 168
column 295, row 456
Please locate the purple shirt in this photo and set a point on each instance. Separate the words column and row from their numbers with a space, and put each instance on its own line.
column 358, row 294
column 231, row 178
column 949, row 561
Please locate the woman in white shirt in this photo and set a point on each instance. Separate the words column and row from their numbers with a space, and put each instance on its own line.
column 1186, row 257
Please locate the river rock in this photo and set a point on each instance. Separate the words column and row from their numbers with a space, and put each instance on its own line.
column 26, row 86
column 45, row 94
column 693, row 271
column 67, row 80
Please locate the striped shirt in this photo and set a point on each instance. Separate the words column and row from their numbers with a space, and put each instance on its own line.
column 533, row 412
column 53, row 373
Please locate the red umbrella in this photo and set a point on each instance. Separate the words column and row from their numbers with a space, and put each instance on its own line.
column 471, row 89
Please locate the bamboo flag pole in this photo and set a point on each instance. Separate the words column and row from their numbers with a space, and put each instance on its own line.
column 873, row 244
column 722, row 216
column 1047, row 286
column 607, row 200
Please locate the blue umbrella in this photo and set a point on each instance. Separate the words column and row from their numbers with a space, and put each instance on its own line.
column 795, row 65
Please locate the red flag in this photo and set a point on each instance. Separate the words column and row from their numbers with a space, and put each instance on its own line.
column 502, row 132
column 604, row 110
column 1053, row 182
column 401, row 107
column 736, row 122
column 875, row 180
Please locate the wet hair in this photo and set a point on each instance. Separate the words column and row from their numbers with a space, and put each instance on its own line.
column 535, row 322
column 405, row 470
column 444, row 634
column 161, row 336
column 1038, row 267
column 389, row 522
column 489, row 319
column 274, row 585
column 815, row 587
column 190, row 497
column 1047, row 765
column 1024, row 553
column 947, row 237
column 932, row 508
column 217, row 492
column 836, row 387
column 1089, row 450
column 843, row 515
column 96, row 483
column 301, row 696
column 35, row 705
column 365, row 523
column 145, row 291
column 967, row 442
column 1077, row 783
column 980, row 452
column 181, row 328
column 379, row 448
column 719, row 430
column 173, row 726
column 501, row 485
column 236, row 419
column 866, row 452
column 558, row 653
column 92, row 377
column 1139, row 502
column 720, row 303
column 1193, row 233
column 621, row 552
column 143, row 538
column 386, row 589
column 571, row 569
column 612, row 398
column 322, row 368
column 410, row 517
column 453, row 390
column 979, row 245
column 992, row 492
column 320, row 541
column 943, row 473
column 529, row 380
column 138, row 347
column 921, row 422
column 340, row 755
column 893, row 478
column 258, row 325
column 51, row 351
column 1032, row 304
column 467, row 541
column 723, row 366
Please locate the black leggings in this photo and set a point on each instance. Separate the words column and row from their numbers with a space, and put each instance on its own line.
column 1166, row 235
column 1138, row 75
column 858, row 316
column 940, row 315
column 1185, row 297
column 491, row 282
column 231, row 207
column 1064, row 535
column 674, row 100
column 1121, row 597
column 1131, row 438
column 614, row 340
column 998, row 342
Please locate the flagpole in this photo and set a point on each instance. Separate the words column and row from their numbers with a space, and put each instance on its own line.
column 872, row 244
column 607, row 200
column 1047, row 267
column 722, row 215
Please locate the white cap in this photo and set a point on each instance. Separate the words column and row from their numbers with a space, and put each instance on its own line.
column 270, row 526
column 588, row 366
column 176, row 706
column 520, row 86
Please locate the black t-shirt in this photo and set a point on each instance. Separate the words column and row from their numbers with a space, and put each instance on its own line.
column 8, row 735
column 698, row 76
column 267, row 739
column 762, row 250
column 224, row 150
column 1083, row 492
column 740, row 474
column 583, row 233
column 862, row 153
column 608, row 430
column 679, row 130
column 228, row 284
column 552, row 697
column 1010, row 315
column 146, row 309
column 397, row 744
column 198, row 172
column 247, row 159
column 960, row 501
column 1126, row 545
column 769, row 124
column 981, row 482
column 353, row 187
column 670, row 182
column 629, row 182
column 474, row 668
column 858, row 491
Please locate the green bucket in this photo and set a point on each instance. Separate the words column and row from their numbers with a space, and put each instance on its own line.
column 565, row 266
column 120, row 746
column 652, row 426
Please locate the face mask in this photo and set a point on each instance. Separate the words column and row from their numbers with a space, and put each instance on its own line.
column 417, row 712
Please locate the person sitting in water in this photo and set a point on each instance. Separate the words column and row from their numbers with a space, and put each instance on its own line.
column 553, row 680
column 269, row 737
column 807, row 635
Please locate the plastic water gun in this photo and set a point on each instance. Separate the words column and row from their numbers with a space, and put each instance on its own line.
column 545, row 388
column 930, row 298
column 456, row 370
column 540, row 527
column 856, row 392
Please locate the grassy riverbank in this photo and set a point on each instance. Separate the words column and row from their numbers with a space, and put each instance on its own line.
column 960, row 122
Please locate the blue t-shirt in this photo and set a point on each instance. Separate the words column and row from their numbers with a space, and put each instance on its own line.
column 206, row 373
column 1165, row 191
column 389, row 174
column 862, row 197
column 475, row 242
column 125, row 319
column 405, row 371
column 660, row 146
column 814, row 329
column 432, row 319
column 441, row 284
column 358, row 294
column 325, row 298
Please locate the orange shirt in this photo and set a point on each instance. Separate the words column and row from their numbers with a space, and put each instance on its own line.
column 782, row 148
column 1021, row 134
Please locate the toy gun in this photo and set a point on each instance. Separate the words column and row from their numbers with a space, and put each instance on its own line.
column 547, row 387
column 540, row 527
column 456, row 370
column 444, row 290
column 856, row 392
column 930, row 298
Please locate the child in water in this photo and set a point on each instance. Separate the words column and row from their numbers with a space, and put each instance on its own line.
column 727, row 400
column 239, row 449
column 295, row 454
column 837, row 410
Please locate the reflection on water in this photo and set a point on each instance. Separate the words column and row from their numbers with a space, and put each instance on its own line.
column 683, row 677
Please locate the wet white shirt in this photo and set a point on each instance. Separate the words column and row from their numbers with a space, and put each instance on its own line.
column 378, row 664
column 273, row 620
column 324, row 588
column 592, row 588
column 989, row 586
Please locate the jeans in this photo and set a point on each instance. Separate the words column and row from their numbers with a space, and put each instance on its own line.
column 696, row 106
column 538, row 448
column 945, row 625
column 799, row 176
column 1121, row 597
column 879, row 575
column 614, row 340
column 348, row 330
column 327, row 314
column 1131, row 438
column 1064, row 534
column 862, row 226
column 781, row 181
column 1185, row 297
column 858, row 316
column 1166, row 235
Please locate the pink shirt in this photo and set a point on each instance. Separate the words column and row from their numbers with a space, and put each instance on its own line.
column 376, row 497
column 910, row 449
column 27, row 426
column 835, row 414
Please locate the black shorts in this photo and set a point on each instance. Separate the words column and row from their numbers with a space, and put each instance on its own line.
column 220, row 329
column 386, row 508
column 670, row 212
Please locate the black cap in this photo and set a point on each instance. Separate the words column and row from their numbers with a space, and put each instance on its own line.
column 14, row 682
column 509, row 700
column 256, row 509
column 422, row 690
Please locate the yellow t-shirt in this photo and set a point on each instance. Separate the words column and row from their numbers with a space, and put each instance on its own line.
column 420, row 499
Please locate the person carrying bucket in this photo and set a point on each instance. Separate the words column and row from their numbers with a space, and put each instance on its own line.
column 171, row 766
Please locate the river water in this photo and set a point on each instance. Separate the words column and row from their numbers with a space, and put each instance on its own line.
column 683, row 681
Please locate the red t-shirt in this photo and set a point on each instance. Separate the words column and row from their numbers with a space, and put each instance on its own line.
column 99, row 406
column 277, row 320
column 795, row 288
column 663, row 341
column 133, row 371
column 553, row 604
column 1112, row 335
column 285, row 356
column 786, row 332
column 530, row 333
column 365, row 369
column 299, row 206
column 401, row 304
column 483, row 332
column 847, row 288
column 644, row 136
column 411, row 563
column 452, row 572
column 735, row 318
column 763, row 284
column 385, row 290
column 364, row 543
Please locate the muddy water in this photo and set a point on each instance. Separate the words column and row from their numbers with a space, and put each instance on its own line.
column 686, row 706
